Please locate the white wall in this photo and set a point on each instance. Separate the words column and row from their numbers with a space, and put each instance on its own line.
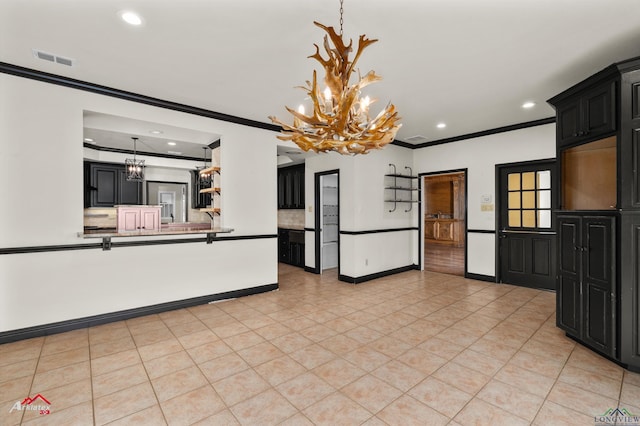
column 480, row 156
column 41, row 188
column 363, row 208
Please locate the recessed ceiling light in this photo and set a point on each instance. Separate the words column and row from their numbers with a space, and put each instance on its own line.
column 441, row 125
column 171, row 143
column 528, row 105
column 131, row 18
column 88, row 140
column 155, row 132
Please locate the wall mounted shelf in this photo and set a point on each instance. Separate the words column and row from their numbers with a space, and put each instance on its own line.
column 210, row 170
column 402, row 183
column 211, row 209
column 215, row 210
column 210, row 190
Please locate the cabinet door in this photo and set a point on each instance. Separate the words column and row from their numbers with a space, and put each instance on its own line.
column 597, row 283
column 150, row 219
column 129, row 192
column 284, row 254
column 108, row 186
column 104, row 183
column 445, row 231
column 280, row 189
column 430, row 230
column 568, row 124
column 296, row 184
column 295, row 252
column 288, row 185
column 298, row 188
column 568, row 293
column 599, row 111
column 588, row 116
column 128, row 220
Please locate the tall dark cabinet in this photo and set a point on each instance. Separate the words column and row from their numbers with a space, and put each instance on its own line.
column 598, row 151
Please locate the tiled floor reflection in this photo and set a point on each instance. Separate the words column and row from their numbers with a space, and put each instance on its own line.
column 415, row 348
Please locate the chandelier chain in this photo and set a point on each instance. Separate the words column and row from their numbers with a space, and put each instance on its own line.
column 341, row 20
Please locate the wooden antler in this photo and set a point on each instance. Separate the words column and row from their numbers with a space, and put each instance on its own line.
column 342, row 123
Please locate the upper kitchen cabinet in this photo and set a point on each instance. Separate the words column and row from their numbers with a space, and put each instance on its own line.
column 106, row 185
column 587, row 116
column 598, row 151
column 291, row 187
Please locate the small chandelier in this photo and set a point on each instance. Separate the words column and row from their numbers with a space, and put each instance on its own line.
column 204, row 177
column 134, row 168
column 340, row 119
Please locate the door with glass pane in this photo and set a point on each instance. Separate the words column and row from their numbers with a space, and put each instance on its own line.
column 527, row 237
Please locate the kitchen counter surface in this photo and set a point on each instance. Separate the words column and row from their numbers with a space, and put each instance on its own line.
column 99, row 233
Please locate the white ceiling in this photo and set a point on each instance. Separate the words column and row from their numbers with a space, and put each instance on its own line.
column 111, row 131
column 468, row 63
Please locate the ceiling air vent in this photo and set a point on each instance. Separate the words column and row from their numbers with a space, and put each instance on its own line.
column 416, row 139
column 52, row 58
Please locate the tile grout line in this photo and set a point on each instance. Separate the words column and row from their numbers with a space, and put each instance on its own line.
column 33, row 379
column 475, row 395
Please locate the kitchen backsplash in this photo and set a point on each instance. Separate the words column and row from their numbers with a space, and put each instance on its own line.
column 291, row 218
column 100, row 217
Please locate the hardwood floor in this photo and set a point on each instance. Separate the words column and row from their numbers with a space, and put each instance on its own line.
column 444, row 258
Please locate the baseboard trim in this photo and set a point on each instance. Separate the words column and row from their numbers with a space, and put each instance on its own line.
column 358, row 280
column 74, row 324
column 480, row 277
column 311, row 269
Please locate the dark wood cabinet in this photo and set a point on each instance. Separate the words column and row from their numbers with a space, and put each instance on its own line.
column 291, row 187
column 588, row 115
column 106, row 185
column 291, row 247
column 586, row 290
column 598, row 148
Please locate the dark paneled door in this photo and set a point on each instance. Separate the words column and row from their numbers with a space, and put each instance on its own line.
column 527, row 239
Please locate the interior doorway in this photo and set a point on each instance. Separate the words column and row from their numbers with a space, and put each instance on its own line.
column 327, row 207
column 171, row 196
column 444, row 222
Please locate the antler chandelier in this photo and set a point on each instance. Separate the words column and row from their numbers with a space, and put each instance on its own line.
column 340, row 120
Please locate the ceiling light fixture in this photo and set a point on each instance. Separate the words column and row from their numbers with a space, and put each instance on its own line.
column 88, row 140
column 441, row 125
column 203, row 178
column 171, row 143
column 155, row 132
column 134, row 168
column 131, row 18
column 340, row 120
column 528, row 105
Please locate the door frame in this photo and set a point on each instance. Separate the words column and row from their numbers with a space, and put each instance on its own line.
column 421, row 213
column 318, row 219
column 498, row 206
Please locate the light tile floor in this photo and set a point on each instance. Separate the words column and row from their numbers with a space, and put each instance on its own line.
column 414, row 348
